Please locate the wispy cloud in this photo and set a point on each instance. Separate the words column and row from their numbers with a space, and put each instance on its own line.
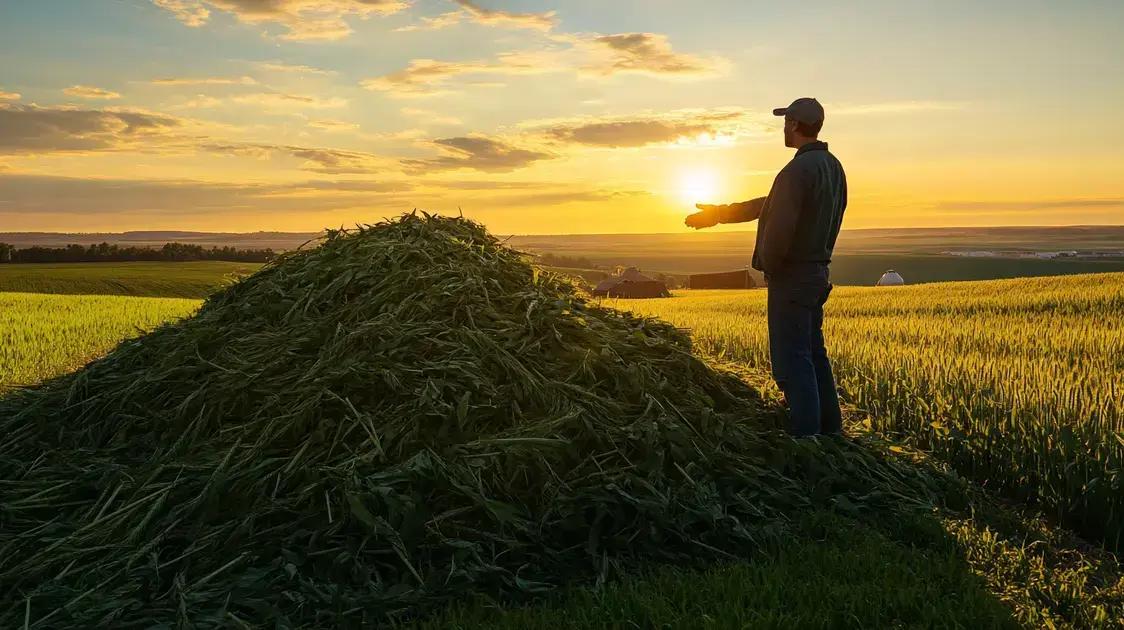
column 40, row 194
column 200, row 101
column 23, row 193
column 474, row 12
column 1031, row 204
column 9, row 96
column 35, row 129
column 646, row 53
column 30, row 129
column 494, row 17
column 477, row 152
column 300, row 19
column 429, row 77
column 434, row 23
column 191, row 12
column 276, row 66
column 680, row 126
column 176, row 81
column 599, row 55
column 283, row 101
column 320, row 160
column 90, row 92
column 894, row 107
column 327, row 124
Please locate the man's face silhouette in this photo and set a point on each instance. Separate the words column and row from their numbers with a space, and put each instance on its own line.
column 790, row 133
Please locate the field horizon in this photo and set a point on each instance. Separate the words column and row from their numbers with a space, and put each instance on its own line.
column 1083, row 234
column 921, row 255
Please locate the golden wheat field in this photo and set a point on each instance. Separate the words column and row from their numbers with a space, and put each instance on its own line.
column 1018, row 383
column 1014, row 383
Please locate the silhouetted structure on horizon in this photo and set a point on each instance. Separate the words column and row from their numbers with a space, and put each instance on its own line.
column 739, row 279
column 631, row 284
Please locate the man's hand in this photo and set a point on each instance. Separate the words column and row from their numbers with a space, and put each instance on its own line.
column 708, row 216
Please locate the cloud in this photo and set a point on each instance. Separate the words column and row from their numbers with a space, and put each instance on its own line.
column 493, row 17
column 1031, row 204
column 201, row 101
column 599, row 55
column 637, row 131
column 86, row 91
column 190, row 12
column 300, row 19
column 294, row 68
column 328, row 124
column 434, row 23
column 278, row 100
column 894, row 107
column 562, row 197
column 34, row 129
column 266, row 101
column 429, row 77
column 545, row 21
column 477, row 152
column 205, row 81
column 646, row 53
column 23, row 193
column 489, row 184
column 319, row 160
column 9, row 96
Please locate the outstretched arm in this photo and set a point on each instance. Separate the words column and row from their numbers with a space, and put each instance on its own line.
column 741, row 212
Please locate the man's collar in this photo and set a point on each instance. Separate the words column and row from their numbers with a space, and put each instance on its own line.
column 815, row 145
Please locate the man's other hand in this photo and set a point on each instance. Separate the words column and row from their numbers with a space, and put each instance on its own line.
column 706, row 217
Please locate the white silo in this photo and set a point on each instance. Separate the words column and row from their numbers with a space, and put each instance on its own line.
column 891, row 279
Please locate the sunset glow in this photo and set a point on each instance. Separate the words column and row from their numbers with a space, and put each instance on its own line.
column 699, row 186
column 547, row 117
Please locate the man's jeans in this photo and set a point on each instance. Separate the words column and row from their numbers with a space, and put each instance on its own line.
column 797, row 294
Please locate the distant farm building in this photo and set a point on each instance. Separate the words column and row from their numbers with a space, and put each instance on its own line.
column 891, row 279
column 631, row 284
column 723, row 280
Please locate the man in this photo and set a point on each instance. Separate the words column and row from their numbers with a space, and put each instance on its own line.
column 799, row 222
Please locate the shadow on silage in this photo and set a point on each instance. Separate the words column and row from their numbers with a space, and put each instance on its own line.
column 868, row 549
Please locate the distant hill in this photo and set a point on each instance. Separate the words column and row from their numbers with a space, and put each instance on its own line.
column 866, row 241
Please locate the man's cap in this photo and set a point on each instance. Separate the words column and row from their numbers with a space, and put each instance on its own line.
column 806, row 110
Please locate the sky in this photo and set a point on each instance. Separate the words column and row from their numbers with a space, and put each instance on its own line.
column 535, row 117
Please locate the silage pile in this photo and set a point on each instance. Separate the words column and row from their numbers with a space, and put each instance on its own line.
column 405, row 414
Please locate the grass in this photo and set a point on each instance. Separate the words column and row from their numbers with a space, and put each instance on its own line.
column 837, row 576
column 144, row 279
column 1017, row 383
column 42, row 336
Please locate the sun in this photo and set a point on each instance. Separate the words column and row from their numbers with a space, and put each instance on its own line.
column 699, row 186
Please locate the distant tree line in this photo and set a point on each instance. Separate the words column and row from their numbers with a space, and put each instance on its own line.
column 571, row 262
column 104, row 252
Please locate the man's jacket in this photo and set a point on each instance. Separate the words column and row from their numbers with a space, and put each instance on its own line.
column 802, row 214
